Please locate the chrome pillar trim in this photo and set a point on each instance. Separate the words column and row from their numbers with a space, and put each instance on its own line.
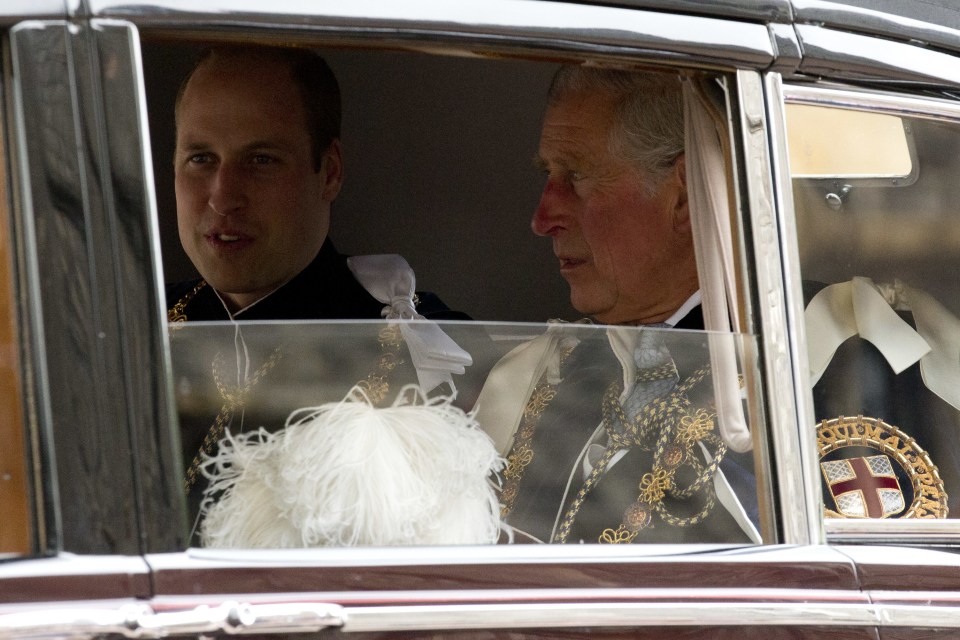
column 28, row 89
column 537, row 24
column 806, row 458
column 848, row 56
column 75, row 246
column 798, row 504
column 128, row 187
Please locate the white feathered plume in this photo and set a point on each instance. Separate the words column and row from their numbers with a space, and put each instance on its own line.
column 347, row 473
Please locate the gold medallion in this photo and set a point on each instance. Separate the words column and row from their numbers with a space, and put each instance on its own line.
column 871, row 469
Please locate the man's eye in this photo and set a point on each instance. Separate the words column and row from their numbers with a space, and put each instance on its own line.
column 199, row 158
column 261, row 158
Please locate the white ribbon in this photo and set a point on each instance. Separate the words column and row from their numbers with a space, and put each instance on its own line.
column 510, row 383
column 859, row 307
column 435, row 355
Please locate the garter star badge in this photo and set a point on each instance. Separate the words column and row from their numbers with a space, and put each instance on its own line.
column 871, row 469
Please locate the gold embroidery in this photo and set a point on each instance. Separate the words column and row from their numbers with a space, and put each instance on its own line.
column 521, row 453
column 671, row 429
column 622, row 535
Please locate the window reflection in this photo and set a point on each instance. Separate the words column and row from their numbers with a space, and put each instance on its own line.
column 337, row 439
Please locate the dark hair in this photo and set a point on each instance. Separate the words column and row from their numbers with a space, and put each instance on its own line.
column 317, row 83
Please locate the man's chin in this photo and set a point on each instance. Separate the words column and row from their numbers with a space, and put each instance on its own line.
column 591, row 308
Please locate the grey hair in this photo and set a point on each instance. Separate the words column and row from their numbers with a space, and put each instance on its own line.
column 648, row 129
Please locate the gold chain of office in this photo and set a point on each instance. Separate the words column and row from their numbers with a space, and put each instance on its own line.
column 668, row 426
column 374, row 388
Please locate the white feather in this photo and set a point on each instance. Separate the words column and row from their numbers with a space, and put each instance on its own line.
column 348, row 473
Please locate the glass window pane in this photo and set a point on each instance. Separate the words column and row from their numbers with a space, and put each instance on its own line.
column 397, row 467
column 878, row 249
column 466, row 228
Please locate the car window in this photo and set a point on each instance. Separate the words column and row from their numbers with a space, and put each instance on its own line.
column 434, row 147
column 15, row 529
column 351, row 433
column 437, row 153
column 877, row 231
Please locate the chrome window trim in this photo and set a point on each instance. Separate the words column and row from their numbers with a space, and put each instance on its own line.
column 312, row 612
column 854, row 98
column 797, row 502
column 885, row 25
column 854, row 57
column 914, row 532
column 208, row 558
column 73, row 565
column 842, row 529
column 535, row 24
column 806, row 456
column 13, row 11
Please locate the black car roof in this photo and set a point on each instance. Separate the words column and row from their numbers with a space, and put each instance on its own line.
column 932, row 22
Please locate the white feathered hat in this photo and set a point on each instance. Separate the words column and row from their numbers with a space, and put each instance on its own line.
column 348, row 473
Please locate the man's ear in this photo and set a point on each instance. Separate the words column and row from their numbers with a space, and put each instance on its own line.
column 681, row 204
column 331, row 169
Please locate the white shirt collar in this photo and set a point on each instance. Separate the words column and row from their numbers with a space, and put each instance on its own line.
column 684, row 309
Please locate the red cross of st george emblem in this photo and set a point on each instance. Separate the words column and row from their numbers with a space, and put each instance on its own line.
column 868, row 485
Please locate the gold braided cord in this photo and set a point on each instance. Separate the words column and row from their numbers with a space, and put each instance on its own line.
column 375, row 387
column 234, row 399
column 671, row 429
column 177, row 312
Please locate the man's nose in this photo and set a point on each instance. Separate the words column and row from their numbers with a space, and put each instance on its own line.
column 551, row 215
column 227, row 194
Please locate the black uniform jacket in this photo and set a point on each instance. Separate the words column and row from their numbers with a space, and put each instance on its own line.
column 325, row 290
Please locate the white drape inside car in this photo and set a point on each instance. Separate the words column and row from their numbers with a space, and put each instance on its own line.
column 710, row 212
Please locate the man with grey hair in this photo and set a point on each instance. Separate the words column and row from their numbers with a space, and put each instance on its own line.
column 615, row 203
column 615, row 207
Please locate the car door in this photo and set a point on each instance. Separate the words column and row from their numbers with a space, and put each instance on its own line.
column 72, row 525
column 868, row 250
column 519, row 590
column 103, row 385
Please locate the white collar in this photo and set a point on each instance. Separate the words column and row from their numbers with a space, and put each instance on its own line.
column 684, row 309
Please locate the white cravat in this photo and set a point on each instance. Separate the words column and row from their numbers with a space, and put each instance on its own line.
column 860, row 307
column 390, row 280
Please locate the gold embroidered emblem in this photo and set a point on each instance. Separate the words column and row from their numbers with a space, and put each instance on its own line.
column 872, row 469
column 621, row 535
